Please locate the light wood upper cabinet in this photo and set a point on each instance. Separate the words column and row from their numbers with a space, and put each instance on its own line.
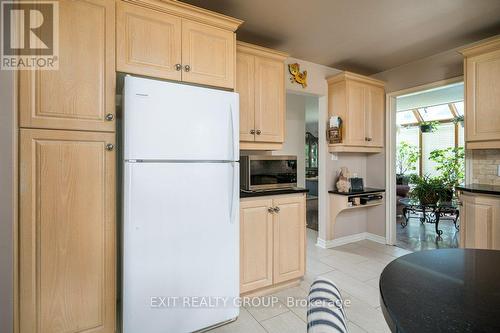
column 360, row 103
column 272, row 241
column 67, row 256
column 269, row 100
column 260, row 81
column 256, row 245
column 208, row 54
column 479, row 221
column 176, row 41
column 245, row 85
column 289, row 238
column 482, row 95
column 80, row 95
column 375, row 116
column 148, row 42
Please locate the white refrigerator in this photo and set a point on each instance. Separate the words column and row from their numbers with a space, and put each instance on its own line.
column 181, row 207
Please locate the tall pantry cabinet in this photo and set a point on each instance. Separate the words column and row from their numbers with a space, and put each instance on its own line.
column 67, row 269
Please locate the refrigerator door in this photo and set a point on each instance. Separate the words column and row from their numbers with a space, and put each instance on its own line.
column 181, row 246
column 172, row 121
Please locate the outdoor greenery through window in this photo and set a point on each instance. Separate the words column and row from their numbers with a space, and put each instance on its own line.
column 430, row 143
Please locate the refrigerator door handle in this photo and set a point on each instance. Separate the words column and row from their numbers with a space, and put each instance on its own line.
column 234, row 130
column 234, row 192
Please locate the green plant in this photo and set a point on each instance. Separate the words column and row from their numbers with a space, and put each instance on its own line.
column 428, row 190
column 458, row 119
column 450, row 163
column 428, row 126
column 406, row 158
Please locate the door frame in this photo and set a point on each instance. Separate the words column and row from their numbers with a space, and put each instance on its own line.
column 390, row 156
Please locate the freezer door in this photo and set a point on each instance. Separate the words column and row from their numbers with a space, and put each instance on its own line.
column 172, row 121
column 181, row 239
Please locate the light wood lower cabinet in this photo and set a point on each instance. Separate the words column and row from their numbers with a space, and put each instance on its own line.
column 256, row 245
column 272, row 241
column 479, row 221
column 67, row 277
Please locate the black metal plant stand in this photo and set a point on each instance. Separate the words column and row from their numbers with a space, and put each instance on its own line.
column 430, row 213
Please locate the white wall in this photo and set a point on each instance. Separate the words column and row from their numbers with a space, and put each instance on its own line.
column 7, row 214
column 295, row 133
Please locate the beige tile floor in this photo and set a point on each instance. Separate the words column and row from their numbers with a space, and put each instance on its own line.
column 356, row 269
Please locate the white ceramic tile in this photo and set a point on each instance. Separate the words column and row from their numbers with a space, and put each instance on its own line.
column 286, row 322
column 296, row 300
column 316, row 267
column 358, row 289
column 365, row 316
column 374, row 282
column 353, row 328
column 244, row 324
column 355, row 270
column 265, row 307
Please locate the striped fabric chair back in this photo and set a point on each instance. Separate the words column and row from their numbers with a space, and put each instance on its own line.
column 325, row 312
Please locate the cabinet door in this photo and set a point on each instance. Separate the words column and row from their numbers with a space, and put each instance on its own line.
column 245, row 86
column 482, row 98
column 67, row 256
column 269, row 100
column 375, row 116
column 210, row 53
column 356, row 113
column 148, row 42
column 256, row 245
column 478, row 222
column 289, row 238
column 81, row 92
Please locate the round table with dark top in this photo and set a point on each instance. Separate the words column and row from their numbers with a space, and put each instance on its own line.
column 445, row 290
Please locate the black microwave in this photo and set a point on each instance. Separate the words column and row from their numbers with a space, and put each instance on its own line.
column 268, row 172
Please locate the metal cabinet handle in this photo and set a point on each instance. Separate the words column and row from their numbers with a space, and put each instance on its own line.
column 270, row 210
column 187, row 68
column 258, row 132
column 276, row 209
column 178, row 67
column 368, row 139
column 252, row 131
column 110, row 146
column 109, row 117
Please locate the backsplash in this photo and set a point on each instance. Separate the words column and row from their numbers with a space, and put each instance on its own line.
column 484, row 166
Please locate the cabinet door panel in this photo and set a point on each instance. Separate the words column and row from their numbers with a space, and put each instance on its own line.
column 289, row 238
column 269, row 100
column 67, row 253
column 256, row 245
column 210, row 53
column 482, row 113
column 148, row 42
column 82, row 91
column 356, row 106
column 375, row 116
column 245, row 86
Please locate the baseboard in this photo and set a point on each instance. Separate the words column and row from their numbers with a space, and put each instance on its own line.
column 326, row 244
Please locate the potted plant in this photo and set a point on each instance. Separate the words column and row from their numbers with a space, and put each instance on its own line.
column 459, row 120
column 406, row 160
column 428, row 190
column 450, row 163
column 428, row 126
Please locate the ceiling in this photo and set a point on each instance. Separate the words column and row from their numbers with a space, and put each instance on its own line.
column 365, row 36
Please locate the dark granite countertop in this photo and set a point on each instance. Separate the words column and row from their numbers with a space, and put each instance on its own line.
column 367, row 190
column 444, row 290
column 245, row 194
column 480, row 188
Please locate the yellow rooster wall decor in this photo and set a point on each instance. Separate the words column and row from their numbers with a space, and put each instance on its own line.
column 297, row 76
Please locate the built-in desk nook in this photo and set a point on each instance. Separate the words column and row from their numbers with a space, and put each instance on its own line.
column 340, row 201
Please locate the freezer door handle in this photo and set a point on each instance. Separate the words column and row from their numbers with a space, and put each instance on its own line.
column 234, row 192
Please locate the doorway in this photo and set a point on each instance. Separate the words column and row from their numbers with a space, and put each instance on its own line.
column 426, row 160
